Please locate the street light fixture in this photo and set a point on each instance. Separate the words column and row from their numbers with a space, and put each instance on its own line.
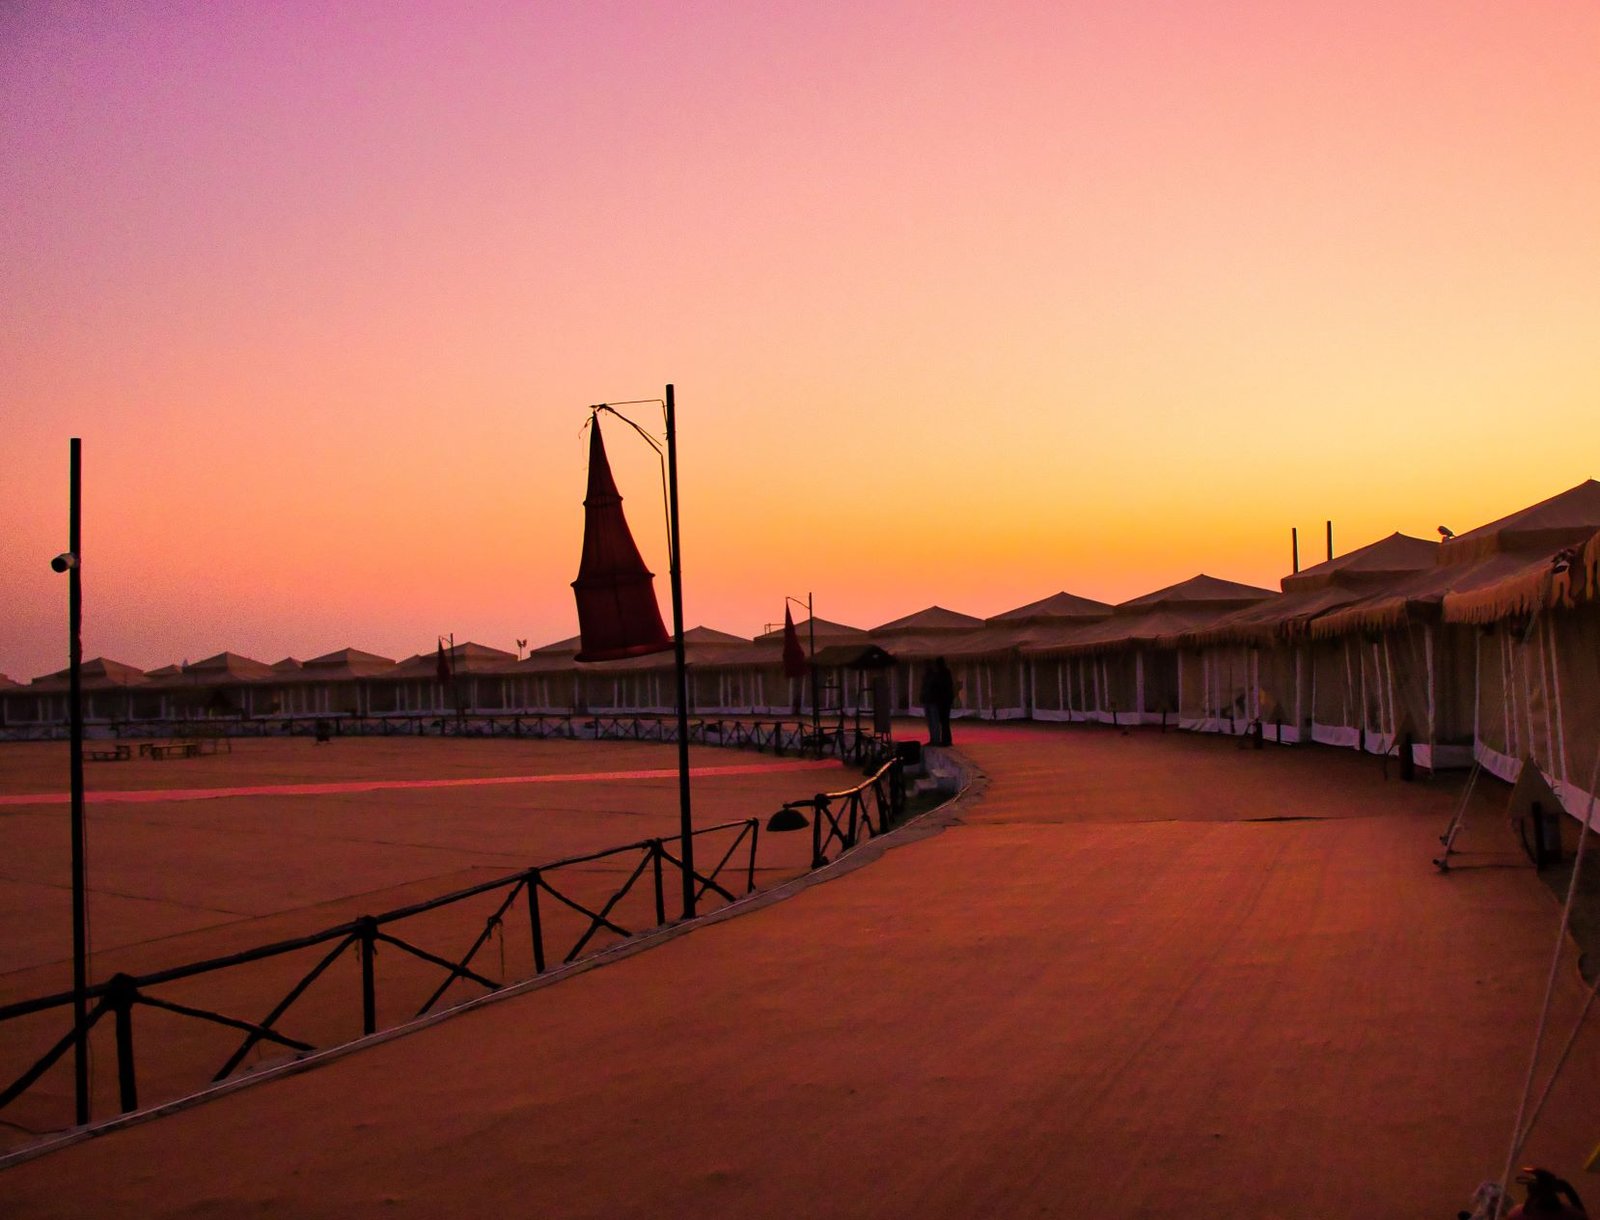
column 70, row 562
column 616, row 605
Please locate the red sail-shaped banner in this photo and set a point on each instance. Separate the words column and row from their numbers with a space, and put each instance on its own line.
column 617, row 612
column 794, row 656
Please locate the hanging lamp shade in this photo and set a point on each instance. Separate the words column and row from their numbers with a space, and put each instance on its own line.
column 617, row 612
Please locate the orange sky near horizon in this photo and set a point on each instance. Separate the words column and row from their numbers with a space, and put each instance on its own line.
column 964, row 304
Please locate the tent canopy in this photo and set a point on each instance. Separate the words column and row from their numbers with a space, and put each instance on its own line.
column 102, row 673
column 1056, row 608
column 1568, row 518
column 934, row 618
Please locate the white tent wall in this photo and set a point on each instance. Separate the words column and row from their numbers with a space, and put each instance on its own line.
column 838, row 690
column 1192, row 694
column 1047, row 679
column 1375, row 705
column 1336, row 693
column 1066, row 688
column 1005, row 679
column 542, row 692
column 1282, row 691
column 729, row 689
column 1404, row 663
column 1083, row 688
column 1452, row 652
column 1158, row 685
column 1539, row 697
column 776, row 693
column 1219, row 689
column 1573, row 638
column 988, row 687
column 1119, row 687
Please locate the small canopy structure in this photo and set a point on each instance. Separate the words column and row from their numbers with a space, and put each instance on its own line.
column 933, row 620
column 347, row 663
column 231, row 667
column 413, row 685
column 335, row 682
column 108, row 686
column 780, row 695
column 1535, row 633
column 1254, row 663
column 102, row 673
column 915, row 639
column 997, row 681
column 1411, row 673
column 463, row 659
column 1317, row 590
column 1123, row 669
column 226, row 684
column 546, row 680
column 825, row 632
column 1057, row 608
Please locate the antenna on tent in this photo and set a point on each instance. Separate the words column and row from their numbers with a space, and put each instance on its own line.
column 1294, row 547
column 1330, row 541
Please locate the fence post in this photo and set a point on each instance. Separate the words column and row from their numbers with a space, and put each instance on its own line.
column 369, row 982
column 534, row 922
column 817, row 858
column 661, row 898
column 755, row 838
column 123, row 994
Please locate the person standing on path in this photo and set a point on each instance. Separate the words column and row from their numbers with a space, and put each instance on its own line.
column 938, row 697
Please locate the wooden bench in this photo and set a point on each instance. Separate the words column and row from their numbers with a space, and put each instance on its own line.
column 120, row 753
column 170, row 749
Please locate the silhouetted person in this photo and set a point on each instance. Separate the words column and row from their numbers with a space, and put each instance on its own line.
column 882, row 709
column 938, row 697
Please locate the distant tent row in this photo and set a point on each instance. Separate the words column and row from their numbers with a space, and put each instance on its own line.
column 1484, row 646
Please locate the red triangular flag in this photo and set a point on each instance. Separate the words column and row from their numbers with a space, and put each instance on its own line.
column 443, row 666
column 617, row 612
column 794, row 656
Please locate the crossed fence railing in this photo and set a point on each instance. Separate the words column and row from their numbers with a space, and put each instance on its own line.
column 829, row 738
column 839, row 821
column 846, row 817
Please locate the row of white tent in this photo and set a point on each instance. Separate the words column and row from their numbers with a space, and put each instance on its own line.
column 1484, row 647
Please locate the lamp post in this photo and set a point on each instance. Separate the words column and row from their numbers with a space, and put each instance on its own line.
column 70, row 562
column 811, row 632
column 614, row 596
column 675, row 570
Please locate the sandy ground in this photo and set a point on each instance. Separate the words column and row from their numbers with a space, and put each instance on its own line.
column 1146, row 975
column 178, row 879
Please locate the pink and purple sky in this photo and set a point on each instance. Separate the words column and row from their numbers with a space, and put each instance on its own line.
column 963, row 303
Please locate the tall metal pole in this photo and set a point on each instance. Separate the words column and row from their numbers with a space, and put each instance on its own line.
column 816, row 711
column 685, row 822
column 80, row 923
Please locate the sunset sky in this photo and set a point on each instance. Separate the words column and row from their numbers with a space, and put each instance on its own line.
column 963, row 303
